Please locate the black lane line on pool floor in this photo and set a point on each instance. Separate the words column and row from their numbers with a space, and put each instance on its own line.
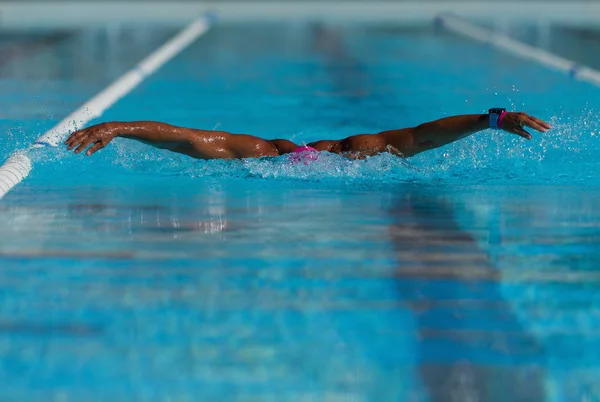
column 474, row 355
column 431, row 221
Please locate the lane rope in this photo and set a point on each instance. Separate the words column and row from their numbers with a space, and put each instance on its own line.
column 518, row 48
column 19, row 165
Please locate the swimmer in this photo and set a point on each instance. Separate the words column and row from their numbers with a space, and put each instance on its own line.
column 208, row 144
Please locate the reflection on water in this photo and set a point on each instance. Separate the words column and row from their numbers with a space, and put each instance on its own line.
column 249, row 311
column 421, row 292
column 471, row 345
column 336, row 281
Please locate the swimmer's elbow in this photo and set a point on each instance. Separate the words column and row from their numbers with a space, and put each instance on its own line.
column 189, row 143
column 421, row 140
column 408, row 142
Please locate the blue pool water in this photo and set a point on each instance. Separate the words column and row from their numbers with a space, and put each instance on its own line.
column 467, row 273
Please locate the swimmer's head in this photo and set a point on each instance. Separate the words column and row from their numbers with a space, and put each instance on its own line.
column 304, row 154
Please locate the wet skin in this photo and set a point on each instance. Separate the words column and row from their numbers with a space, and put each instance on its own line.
column 206, row 144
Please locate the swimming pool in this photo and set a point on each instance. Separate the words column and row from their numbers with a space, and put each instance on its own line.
column 468, row 273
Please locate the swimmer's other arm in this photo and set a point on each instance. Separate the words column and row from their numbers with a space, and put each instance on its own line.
column 201, row 144
column 407, row 142
column 205, row 144
column 450, row 129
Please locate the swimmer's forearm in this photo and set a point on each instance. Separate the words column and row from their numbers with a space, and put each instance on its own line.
column 411, row 141
column 158, row 134
column 201, row 144
column 447, row 130
column 450, row 129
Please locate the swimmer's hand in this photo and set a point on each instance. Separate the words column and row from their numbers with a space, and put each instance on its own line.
column 514, row 123
column 97, row 136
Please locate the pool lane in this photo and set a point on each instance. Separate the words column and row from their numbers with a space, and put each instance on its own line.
column 46, row 74
column 339, row 263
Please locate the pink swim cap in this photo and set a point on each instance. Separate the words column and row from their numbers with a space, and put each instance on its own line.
column 304, row 154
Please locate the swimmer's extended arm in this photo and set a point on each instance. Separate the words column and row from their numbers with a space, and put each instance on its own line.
column 202, row 144
column 206, row 144
column 160, row 135
column 411, row 141
column 450, row 129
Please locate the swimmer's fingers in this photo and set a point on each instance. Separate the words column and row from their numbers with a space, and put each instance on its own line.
column 75, row 138
column 541, row 122
column 520, row 132
column 534, row 123
column 515, row 122
column 86, row 142
column 73, row 135
column 82, row 139
column 75, row 142
column 95, row 148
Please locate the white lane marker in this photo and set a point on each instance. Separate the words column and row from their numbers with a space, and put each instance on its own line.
column 517, row 48
column 19, row 165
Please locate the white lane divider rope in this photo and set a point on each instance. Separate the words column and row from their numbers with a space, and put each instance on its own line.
column 517, row 48
column 19, row 165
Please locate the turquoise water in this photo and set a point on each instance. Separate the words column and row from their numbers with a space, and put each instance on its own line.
column 467, row 273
